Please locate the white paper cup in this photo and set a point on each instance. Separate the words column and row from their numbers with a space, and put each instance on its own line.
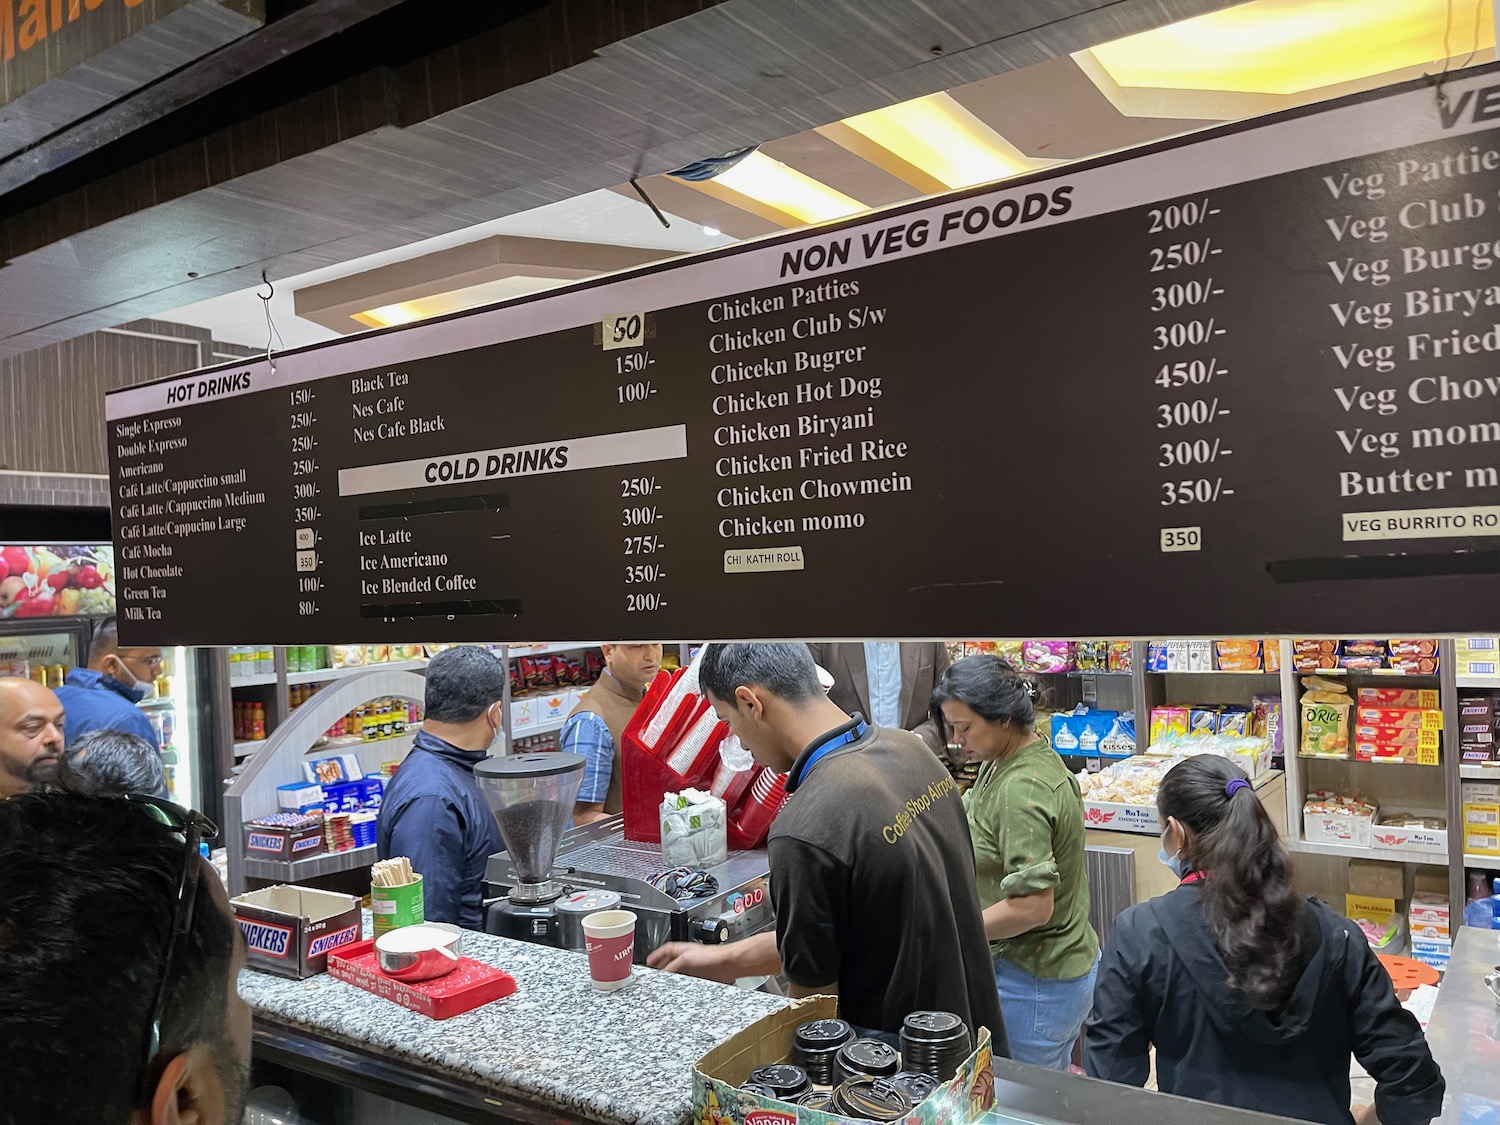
column 609, row 938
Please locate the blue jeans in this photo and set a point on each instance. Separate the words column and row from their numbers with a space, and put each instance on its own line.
column 1043, row 1017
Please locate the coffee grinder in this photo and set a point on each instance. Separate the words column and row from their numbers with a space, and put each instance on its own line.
column 532, row 797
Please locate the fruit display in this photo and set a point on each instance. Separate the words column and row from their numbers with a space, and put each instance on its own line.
column 57, row 581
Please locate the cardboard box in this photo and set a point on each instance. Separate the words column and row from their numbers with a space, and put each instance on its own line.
column 1238, row 655
column 1399, row 736
column 274, row 841
column 1481, row 791
column 1424, row 698
column 1377, row 879
column 335, row 770
column 1110, row 816
column 1430, row 882
column 1434, row 841
column 1406, row 718
column 967, row 1096
column 1480, row 840
column 1364, row 906
column 1429, row 916
column 523, row 713
column 1484, row 814
column 1396, row 752
column 1337, row 828
column 289, row 930
column 299, row 795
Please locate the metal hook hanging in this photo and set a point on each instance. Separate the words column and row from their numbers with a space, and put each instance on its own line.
column 267, row 281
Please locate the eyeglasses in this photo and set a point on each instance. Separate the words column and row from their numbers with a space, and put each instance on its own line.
column 132, row 657
column 194, row 828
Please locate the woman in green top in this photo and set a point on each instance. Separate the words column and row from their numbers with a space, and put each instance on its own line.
column 1026, row 821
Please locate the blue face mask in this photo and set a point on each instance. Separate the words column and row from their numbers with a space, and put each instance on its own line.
column 135, row 691
column 1174, row 863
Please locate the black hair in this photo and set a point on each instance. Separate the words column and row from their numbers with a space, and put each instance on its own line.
column 1248, row 895
column 108, row 763
column 990, row 687
column 106, row 640
column 462, row 683
column 785, row 669
column 88, row 891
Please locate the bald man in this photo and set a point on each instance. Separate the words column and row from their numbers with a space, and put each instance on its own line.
column 31, row 736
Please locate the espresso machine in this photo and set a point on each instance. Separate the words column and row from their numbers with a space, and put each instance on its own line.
column 549, row 877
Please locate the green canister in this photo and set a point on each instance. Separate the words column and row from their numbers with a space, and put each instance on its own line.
column 394, row 907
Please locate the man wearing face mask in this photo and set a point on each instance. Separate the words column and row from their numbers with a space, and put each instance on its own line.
column 433, row 811
column 104, row 695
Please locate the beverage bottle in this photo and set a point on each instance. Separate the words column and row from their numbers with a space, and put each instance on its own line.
column 369, row 723
column 257, row 722
column 38, row 673
column 57, row 675
column 168, row 729
column 265, row 660
column 398, row 718
column 239, row 722
column 387, row 718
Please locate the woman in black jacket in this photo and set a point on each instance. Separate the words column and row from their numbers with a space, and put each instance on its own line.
column 1252, row 996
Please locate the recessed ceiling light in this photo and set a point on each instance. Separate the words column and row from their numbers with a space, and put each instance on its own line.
column 783, row 195
column 1286, row 47
column 712, row 232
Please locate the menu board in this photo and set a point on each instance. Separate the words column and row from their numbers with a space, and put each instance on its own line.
column 1243, row 384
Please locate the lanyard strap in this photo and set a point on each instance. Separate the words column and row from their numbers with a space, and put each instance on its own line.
column 835, row 741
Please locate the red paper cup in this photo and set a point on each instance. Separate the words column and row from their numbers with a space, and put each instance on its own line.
column 609, row 937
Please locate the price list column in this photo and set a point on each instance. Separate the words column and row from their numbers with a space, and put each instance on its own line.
column 642, row 494
column 1193, row 435
column 307, row 492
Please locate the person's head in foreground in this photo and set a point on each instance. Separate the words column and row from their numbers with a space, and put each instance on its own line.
column 770, row 696
column 111, row 763
column 118, row 1000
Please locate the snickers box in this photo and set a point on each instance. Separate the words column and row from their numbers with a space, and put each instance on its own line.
column 293, row 840
column 289, row 930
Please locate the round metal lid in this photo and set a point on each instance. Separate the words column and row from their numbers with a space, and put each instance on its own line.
column 586, row 902
column 870, row 1056
column 530, row 765
column 787, row 1080
column 932, row 1025
column 823, row 1034
column 874, row 1098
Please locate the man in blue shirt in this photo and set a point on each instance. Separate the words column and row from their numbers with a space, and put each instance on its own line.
column 597, row 725
column 433, row 811
column 104, row 695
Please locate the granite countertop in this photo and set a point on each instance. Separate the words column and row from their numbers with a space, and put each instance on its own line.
column 623, row 1056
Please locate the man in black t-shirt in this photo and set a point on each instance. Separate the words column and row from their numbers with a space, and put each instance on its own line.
column 872, row 870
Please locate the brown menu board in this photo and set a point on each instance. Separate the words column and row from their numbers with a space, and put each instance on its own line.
column 1243, row 384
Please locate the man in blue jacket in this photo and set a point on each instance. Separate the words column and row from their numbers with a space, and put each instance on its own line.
column 433, row 811
column 104, row 695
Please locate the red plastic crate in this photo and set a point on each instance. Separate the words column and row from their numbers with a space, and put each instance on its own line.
column 467, row 987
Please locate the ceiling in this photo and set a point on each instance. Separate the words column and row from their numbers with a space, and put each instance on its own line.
column 854, row 104
column 1255, row 58
column 331, row 179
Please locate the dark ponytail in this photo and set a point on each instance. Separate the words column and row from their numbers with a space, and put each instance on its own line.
column 990, row 687
column 1248, row 895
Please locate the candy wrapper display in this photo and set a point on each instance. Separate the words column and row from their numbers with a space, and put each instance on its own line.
column 694, row 830
column 1047, row 656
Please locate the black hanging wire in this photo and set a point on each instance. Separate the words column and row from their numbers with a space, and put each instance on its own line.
column 272, row 332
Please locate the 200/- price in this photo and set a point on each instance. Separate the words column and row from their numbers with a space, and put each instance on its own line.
column 645, row 602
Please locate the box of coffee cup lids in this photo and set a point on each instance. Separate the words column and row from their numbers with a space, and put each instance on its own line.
column 289, row 930
column 717, row 1076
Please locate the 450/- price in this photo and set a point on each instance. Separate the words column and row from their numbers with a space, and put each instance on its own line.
column 1196, row 372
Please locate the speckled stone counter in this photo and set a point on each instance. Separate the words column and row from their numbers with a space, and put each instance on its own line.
column 623, row 1056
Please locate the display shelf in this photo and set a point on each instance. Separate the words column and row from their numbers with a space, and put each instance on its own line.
column 1487, row 862
column 325, row 675
column 328, row 863
column 1479, row 682
column 552, row 726
column 247, row 747
column 1476, row 772
column 1209, row 672
column 253, row 681
column 157, row 704
column 1396, row 855
column 514, row 651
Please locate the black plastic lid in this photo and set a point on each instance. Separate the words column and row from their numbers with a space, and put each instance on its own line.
column 817, row 1099
column 875, row 1098
column 760, row 1088
column 932, row 1026
column 916, row 1084
column 870, row 1056
column 530, row 765
column 788, row 1081
column 820, row 1035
